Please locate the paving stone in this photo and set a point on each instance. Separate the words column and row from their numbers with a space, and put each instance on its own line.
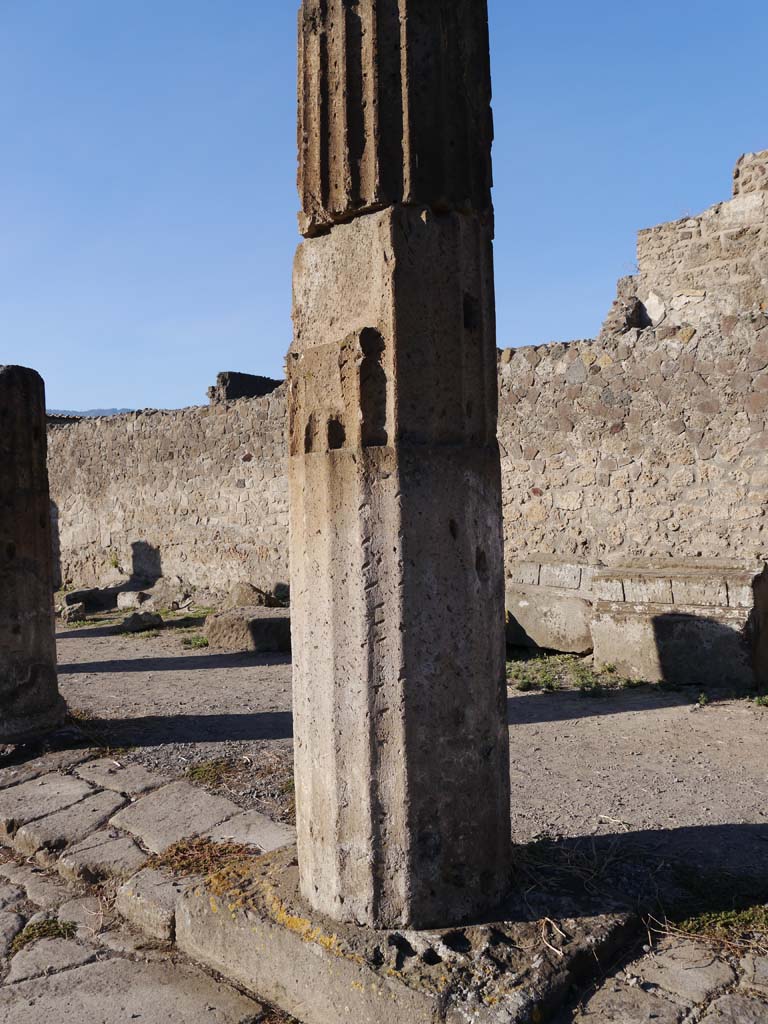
column 616, row 1003
column 103, row 855
column 10, row 894
column 42, row 889
column 69, row 826
column 37, row 798
column 177, row 811
column 736, row 1009
column 148, row 901
column 689, row 970
column 130, row 779
column 117, row 991
column 10, row 926
column 755, row 970
column 56, row 760
column 47, row 956
column 87, row 913
column 254, row 829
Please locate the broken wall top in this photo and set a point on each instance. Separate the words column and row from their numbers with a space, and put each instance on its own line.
column 394, row 107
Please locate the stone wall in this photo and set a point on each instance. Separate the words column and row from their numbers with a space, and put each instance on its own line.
column 645, row 450
column 198, row 493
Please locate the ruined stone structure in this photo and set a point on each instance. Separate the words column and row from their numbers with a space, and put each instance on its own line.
column 29, row 699
column 396, row 538
column 198, row 493
column 231, row 387
column 641, row 454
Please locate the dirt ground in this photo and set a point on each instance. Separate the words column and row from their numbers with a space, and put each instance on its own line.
column 687, row 780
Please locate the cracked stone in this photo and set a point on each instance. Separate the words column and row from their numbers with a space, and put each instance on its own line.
column 47, row 956
column 130, row 779
column 10, row 926
column 87, row 913
column 38, row 798
column 115, row 991
column 619, row 1004
column 755, row 970
column 105, row 854
column 10, row 894
column 254, row 829
column 148, row 901
column 58, row 760
column 736, row 1009
column 41, row 889
column 69, row 826
column 689, row 970
column 177, row 811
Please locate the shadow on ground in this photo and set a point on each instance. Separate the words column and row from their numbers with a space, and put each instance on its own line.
column 177, row 663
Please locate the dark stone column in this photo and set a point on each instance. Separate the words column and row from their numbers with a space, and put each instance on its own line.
column 29, row 699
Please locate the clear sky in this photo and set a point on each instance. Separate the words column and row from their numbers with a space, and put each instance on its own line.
column 147, row 173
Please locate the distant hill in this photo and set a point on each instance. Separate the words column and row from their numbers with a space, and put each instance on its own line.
column 87, row 412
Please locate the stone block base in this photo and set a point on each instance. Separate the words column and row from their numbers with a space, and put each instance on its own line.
column 262, row 630
column 548, row 618
column 661, row 643
column 251, row 925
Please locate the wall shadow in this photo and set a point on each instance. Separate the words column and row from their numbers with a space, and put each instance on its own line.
column 146, row 565
column 175, row 663
column 701, row 651
column 569, row 705
column 56, row 546
column 158, row 730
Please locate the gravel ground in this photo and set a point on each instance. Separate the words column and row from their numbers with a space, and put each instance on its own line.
column 643, row 765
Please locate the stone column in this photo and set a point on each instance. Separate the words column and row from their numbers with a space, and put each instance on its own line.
column 402, row 765
column 29, row 699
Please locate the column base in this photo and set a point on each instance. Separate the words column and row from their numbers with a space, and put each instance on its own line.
column 18, row 729
column 252, row 926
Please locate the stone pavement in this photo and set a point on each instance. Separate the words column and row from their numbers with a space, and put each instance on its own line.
column 88, row 926
column 77, row 832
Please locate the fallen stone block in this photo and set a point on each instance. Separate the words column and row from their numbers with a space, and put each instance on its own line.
column 38, row 798
column 263, row 630
column 548, row 619
column 93, row 599
column 128, row 599
column 141, row 622
column 129, row 779
column 253, row 829
column 122, row 990
column 73, row 613
column 47, row 836
column 174, row 812
column 103, row 855
column 148, row 901
column 46, row 956
column 264, row 937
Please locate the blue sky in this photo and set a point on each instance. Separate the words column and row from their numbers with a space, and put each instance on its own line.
column 147, row 176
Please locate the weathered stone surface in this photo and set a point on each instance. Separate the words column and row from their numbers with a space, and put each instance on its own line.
column 47, row 956
column 615, row 1003
column 266, row 938
column 547, row 618
column 10, row 926
column 29, row 699
column 9, row 894
column 259, row 629
column 148, row 901
column 140, row 622
column 254, row 829
column 73, row 613
column 691, row 971
column 395, row 520
column 394, row 107
column 128, row 779
column 177, row 811
column 755, row 975
column 15, row 774
column 88, row 913
column 232, row 386
column 736, row 1009
column 758, row 630
column 103, row 855
column 41, row 889
column 118, row 991
column 128, row 599
column 55, row 831
column 38, row 798
column 655, row 642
